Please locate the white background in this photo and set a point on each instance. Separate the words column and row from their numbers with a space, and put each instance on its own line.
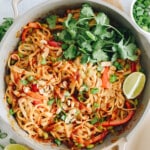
column 139, row 139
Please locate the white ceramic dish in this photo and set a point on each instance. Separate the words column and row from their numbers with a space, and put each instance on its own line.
column 10, row 41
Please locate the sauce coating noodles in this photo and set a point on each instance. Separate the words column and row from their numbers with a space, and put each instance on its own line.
column 60, row 100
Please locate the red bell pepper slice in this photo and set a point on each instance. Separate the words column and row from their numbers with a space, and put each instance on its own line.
column 120, row 122
column 95, row 139
column 34, row 88
column 105, row 78
column 34, row 25
column 54, row 43
column 133, row 66
column 36, row 102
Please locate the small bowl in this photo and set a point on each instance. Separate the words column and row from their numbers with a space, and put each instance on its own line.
column 146, row 33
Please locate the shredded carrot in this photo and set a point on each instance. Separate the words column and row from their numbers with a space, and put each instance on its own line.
column 36, row 95
column 105, row 78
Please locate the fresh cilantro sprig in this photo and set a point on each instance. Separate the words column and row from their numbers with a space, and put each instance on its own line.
column 5, row 26
column 95, row 42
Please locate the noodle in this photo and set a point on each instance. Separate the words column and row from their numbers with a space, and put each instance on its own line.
column 54, row 98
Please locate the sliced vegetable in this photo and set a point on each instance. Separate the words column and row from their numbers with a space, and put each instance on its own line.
column 94, row 120
column 105, row 78
column 94, row 90
column 50, row 101
column 97, row 138
column 36, row 102
column 113, row 78
column 133, row 66
column 29, row 27
column 11, row 111
column 30, row 78
column 96, row 105
column 34, row 88
column 120, row 122
column 57, row 141
column 24, row 82
column 118, row 65
column 54, row 43
column 43, row 61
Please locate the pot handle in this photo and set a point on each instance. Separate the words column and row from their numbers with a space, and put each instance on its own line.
column 15, row 7
column 118, row 145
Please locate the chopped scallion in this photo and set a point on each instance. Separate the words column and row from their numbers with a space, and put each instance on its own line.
column 113, row 78
column 94, row 90
column 57, row 141
column 11, row 111
column 50, row 101
column 24, row 82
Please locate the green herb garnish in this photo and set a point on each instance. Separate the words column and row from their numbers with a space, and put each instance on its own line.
column 51, row 20
column 94, row 120
column 11, row 111
column 3, row 135
column 95, row 42
column 5, row 26
column 141, row 13
column 43, row 61
column 113, row 78
column 12, row 141
column 57, row 141
column 50, row 101
column 24, row 82
column 94, row 90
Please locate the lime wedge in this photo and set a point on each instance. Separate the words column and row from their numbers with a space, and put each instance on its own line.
column 16, row 147
column 134, row 84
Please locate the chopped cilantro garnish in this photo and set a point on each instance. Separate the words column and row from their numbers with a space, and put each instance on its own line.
column 141, row 13
column 51, row 20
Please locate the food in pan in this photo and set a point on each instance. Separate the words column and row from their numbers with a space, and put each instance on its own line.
column 65, row 78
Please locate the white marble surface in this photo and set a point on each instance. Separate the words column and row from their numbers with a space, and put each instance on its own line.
column 139, row 140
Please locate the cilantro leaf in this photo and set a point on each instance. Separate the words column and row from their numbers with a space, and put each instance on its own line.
column 51, row 20
column 66, row 23
column 86, row 46
column 100, row 55
column 99, row 42
column 65, row 37
column 71, row 52
column 127, row 51
column 87, row 11
column 85, row 58
column 102, row 19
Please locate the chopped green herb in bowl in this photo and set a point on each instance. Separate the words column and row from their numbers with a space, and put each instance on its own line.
column 140, row 13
